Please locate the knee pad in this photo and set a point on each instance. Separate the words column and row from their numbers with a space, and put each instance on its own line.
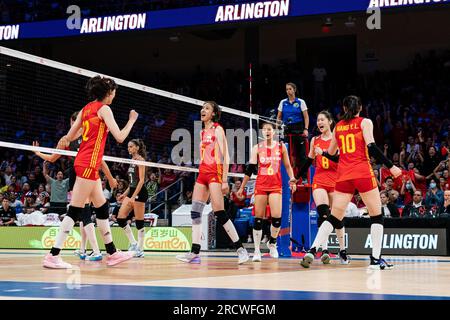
column 75, row 213
column 335, row 222
column 197, row 206
column 323, row 211
column 86, row 217
column 276, row 222
column 196, row 212
column 139, row 224
column 258, row 224
column 103, row 211
column 377, row 219
column 222, row 217
column 122, row 222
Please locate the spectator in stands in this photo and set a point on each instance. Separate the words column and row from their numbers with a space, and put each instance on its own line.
column 388, row 209
column 43, row 202
column 431, row 160
column 238, row 201
column 416, row 209
column 122, row 185
column 407, row 191
column 188, row 197
column 15, row 202
column 166, row 178
column 15, row 184
column 445, row 209
column 394, row 197
column 152, row 187
column 7, row 175
column 434, row 196
column 40, row 178
column 106, row 192
column 59, row 190
column 29, row 203
column 357, row 200
column 7, row 214
column 388, row 184
column 32, row 181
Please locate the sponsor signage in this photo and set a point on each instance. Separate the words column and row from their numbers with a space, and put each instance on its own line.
column 205, row 15
column 156, row 238
column 396, row 241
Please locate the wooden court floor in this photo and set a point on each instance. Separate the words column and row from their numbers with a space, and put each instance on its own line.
column 159, row 276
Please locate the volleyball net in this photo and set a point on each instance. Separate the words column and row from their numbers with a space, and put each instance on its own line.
column 38, row 96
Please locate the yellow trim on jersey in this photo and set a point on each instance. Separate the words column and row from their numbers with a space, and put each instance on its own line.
column 97, row 144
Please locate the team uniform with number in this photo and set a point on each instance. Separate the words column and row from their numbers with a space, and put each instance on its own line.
column 326, row 170
column 90, row 154
column 354, row 169
column 133, row 178
column 211, row 167
column 269, row 174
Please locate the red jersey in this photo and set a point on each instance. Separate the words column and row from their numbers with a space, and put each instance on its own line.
column 94, row 136
column 326, row 170
column 269, row 169
column 354, row 158
column 210, row 155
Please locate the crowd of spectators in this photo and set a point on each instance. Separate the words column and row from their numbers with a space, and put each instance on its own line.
column 409, row 109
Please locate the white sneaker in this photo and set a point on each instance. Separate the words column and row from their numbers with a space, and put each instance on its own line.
column 273, row 249
column 257, row 256
column 243, row 255
column 133, row 247
column 189, row 257
column 55, row 262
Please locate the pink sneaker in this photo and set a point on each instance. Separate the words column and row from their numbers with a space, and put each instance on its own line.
column 118, row 257
column 55, row 262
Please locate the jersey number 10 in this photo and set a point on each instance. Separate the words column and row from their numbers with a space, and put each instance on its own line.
column 348, row 143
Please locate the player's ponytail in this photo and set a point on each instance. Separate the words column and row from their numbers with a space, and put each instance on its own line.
column 216, row 110
column 142, row 148
column 352, row 106
column 74, row 115
column 98, row 88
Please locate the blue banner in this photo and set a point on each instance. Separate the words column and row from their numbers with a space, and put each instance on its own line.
column 207, row 15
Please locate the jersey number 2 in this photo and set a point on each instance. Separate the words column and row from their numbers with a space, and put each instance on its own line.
column 85, row 130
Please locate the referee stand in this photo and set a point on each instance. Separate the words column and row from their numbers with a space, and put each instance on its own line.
column 298, row 218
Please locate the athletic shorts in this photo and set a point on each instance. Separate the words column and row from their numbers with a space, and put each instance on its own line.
column 362, row 185
column 207, row 178
column 266, row 192
column 328, row 189
column 87, row 173
column 142, row 195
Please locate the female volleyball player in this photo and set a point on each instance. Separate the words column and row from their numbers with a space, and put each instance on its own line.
column 268, row 155
column 325, row 180
column 212, row 182
column 87, row 227
column 354, row 137
column 134, row 198
column 96, row 119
